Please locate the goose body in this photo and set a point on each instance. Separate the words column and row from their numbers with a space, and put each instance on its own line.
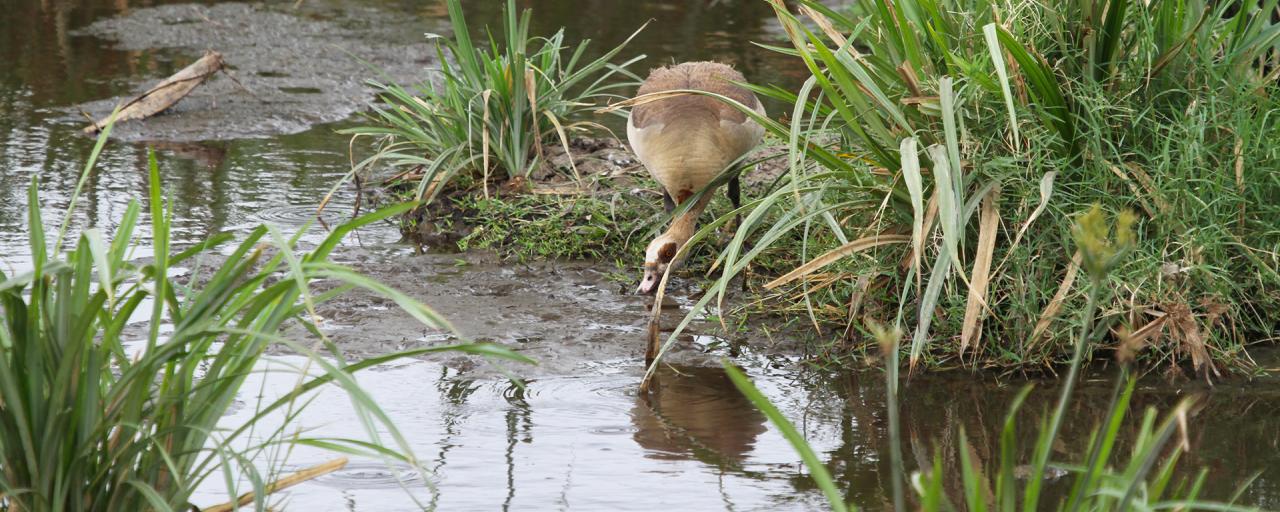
column 686, row 141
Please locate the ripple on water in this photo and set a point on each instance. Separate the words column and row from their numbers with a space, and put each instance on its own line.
column 296, row 215
column 372, row 475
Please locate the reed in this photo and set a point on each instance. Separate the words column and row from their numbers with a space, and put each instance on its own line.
column 977, row 128
column 1142, row 479
column 99, row 416
column 492, row 107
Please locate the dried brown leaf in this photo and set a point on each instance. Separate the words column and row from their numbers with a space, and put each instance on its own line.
column 1055, row 305
column 836, row 254
column 989, row 221
column 1186, row 331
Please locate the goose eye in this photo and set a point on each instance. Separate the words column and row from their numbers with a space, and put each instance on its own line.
column 667, row 253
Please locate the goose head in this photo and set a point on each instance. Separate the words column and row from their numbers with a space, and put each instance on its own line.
column 658, row 257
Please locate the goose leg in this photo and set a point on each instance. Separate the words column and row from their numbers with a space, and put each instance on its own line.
column 735, row 197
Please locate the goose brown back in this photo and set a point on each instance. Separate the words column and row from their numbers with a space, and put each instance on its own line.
column 685, row 142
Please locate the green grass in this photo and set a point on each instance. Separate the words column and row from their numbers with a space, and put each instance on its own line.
column 968, row 132
column 98, row 417
column 542, row 227
column 1141, row 479
column 494, row 107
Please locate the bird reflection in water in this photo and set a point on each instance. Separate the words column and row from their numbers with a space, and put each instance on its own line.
column 696, row 413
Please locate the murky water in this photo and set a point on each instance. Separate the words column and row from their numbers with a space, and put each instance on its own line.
column 579, row 437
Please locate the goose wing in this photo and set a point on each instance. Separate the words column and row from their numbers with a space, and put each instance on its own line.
column 684, row 140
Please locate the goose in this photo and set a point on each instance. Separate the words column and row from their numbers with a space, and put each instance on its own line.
column 685, row 142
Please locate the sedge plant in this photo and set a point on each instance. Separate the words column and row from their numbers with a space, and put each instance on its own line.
column 115, row 370
column 1142, row 479
column 493, row 106
column 940, row 148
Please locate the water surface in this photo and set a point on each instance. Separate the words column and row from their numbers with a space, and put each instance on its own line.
column 578, row 436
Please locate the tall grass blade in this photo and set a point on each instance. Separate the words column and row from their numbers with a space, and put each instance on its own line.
column 817, row 470
column 977, row 302
column 911, row 175
column 1002, row 73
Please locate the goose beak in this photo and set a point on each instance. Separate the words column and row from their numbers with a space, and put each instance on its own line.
column 649, row 283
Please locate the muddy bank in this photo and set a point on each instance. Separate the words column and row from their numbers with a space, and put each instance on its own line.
column 564, row 314
column 297, row 67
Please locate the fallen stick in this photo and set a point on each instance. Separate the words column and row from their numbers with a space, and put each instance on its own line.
column 166, row 93
column 281, row 484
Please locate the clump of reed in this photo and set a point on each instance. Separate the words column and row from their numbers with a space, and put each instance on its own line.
column 492, row 108
column 95, row 416
column 1104, row 479
column 939, row 148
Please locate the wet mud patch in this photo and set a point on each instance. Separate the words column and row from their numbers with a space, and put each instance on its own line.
column 566, row 315
column 296, row 68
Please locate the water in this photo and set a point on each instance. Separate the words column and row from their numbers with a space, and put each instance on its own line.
column 579, row 437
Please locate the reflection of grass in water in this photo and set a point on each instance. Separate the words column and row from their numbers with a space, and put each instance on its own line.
column 89, row 423
column 1142, row 479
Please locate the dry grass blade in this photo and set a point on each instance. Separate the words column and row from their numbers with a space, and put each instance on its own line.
column 564, row 141
column 855, row 302
column 1131, row 343
column 558, row 190
column 644, row 99
column 829, row 29
column 1186, row 331
column 1051, row 311
column 1142, row 200
column 836, row 254
column 484, row 141
column 1238, row 152
column 1148, row 185
column 988, row 222
column 283, row 483
column 653, row 349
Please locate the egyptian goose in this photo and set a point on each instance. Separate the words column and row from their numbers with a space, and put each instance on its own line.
column 686, row 142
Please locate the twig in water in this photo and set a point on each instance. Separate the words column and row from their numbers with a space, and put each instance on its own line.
column 281, row 484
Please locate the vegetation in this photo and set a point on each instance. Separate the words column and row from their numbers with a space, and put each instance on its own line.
column 939, row 147
column 548, row 227
column 494, row 107
column 99, row 416
column 1142, row 479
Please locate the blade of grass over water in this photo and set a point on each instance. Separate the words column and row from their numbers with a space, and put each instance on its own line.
column 95, row 419
column 817, row 470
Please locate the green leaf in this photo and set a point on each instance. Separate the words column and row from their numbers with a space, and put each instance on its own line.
column 817, row 470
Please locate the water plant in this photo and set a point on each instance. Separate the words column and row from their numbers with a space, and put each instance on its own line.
column 492, row 107
column 939, row 149
column 541, row 227
column 119, row 357
column 1142, row 479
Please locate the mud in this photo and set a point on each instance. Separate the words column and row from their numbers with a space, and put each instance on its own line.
column 578, row 435
column 296, row 68
column 564, row 314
